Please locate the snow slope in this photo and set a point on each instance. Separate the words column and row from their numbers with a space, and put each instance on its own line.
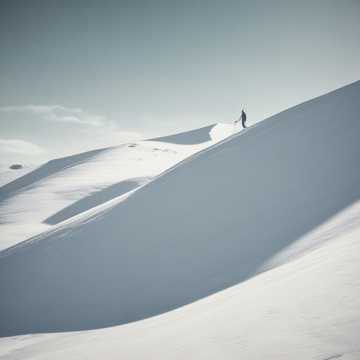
column 210, row 222
column 281, row 196
column 8, row 175
column 306, row 309
column 69, row 186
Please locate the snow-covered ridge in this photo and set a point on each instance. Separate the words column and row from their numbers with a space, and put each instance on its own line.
column 207, row 224
column 205, row 134
column 63, row 188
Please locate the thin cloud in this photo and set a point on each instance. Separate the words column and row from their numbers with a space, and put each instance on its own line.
column 17, row 146
column 83, row 131
column 58, row 113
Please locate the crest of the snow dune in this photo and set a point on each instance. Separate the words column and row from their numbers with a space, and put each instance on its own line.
column 207, row 224
column 215, row 132
column 66, row 187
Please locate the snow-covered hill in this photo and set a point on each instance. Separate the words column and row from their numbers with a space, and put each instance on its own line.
column 280, row 196
column 69, row 186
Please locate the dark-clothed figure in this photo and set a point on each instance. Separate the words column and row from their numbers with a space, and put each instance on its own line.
column 243, row 118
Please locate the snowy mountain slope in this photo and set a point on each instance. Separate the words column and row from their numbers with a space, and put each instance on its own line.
column 209, row 223
column 306, row 309
column 68, row 186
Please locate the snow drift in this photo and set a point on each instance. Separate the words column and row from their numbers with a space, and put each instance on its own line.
column 65, row 187
column 210, row 222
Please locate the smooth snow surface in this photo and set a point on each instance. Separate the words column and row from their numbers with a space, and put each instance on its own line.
column 280, row 197
column 307, row 309
column 65, row 187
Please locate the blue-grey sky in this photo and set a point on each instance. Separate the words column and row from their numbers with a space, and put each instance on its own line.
column 76, row 75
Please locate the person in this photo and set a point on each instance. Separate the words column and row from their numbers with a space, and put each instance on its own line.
column 243, row 118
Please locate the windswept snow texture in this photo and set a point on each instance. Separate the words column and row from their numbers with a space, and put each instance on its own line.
column 66, row 187
column 208, row 223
